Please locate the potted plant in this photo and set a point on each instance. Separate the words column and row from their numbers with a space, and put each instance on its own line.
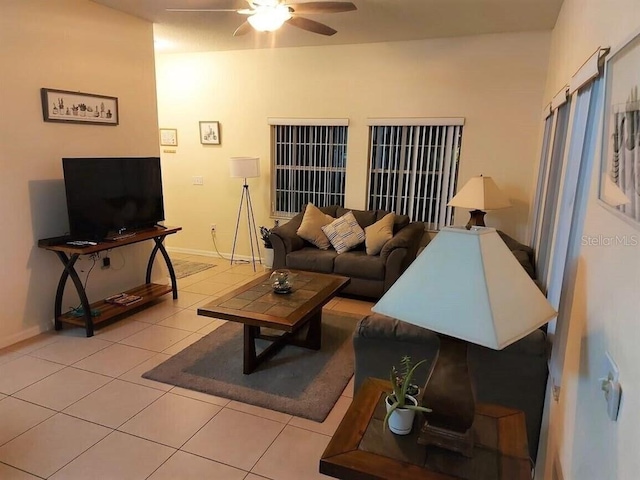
column 401, row 403
column 268, row 248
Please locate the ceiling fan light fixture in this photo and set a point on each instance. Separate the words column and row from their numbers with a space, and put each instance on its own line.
column 268, row 19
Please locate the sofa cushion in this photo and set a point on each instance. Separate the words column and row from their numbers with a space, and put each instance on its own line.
column 378, row 234
column 360, row 265
column 311, row 227
column 344, row 233
column 364, row 217
column 312, row 259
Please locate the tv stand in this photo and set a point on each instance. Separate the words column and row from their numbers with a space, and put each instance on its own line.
column 120, row 236
column 69, row 255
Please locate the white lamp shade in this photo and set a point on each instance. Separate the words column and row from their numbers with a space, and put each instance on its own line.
column 467, row 284
column 245, row 167
column 480, row 193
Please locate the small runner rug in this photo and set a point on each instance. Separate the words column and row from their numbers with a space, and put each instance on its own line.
column 184, row 268
column 298, row 381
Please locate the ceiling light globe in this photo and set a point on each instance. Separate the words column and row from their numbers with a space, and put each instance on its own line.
column 268, row 19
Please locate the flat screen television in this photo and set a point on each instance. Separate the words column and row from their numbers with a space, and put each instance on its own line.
column 112, row 196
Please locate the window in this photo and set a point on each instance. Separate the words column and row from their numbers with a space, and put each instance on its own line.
column 414, row 167
column 549, row 182
column 309, row 160
column 564, row 179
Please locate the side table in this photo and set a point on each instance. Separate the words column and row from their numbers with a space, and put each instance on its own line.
column 361, row 450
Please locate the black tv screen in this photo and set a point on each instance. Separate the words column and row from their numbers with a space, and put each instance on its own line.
column 111, row 196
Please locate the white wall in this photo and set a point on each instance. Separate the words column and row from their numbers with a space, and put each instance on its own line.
column 583, row 442
column 494, row 81
column 69, row 45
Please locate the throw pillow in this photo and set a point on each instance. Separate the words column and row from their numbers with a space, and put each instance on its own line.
column 311, row 227
column 344, row 233
column 378, row 234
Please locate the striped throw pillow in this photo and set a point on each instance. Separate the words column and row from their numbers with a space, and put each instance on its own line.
column 344, row 233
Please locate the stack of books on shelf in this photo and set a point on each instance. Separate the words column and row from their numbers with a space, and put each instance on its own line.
column 123, row 299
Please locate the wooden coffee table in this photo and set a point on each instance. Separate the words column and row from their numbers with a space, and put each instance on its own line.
column 256, row 306
column 362, row 450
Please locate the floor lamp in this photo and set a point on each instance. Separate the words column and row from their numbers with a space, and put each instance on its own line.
column 246, row 167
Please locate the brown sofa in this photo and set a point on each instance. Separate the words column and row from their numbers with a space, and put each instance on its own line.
column 371, row 275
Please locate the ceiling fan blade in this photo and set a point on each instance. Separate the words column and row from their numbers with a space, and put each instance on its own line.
column 200, row 10
column 322, row 7
column 242, row 29
column 311, row 26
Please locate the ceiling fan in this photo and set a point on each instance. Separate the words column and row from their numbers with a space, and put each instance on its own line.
column 269, row 15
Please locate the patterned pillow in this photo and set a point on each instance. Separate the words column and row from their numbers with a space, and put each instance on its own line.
column 311, row 227
column 344, row 233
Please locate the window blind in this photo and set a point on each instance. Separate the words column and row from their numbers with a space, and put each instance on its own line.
column 413, row 170
column 309, row 162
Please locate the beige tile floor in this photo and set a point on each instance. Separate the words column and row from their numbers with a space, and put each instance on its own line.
column 76, row 408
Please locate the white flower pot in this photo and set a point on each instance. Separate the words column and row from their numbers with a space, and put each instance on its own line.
column 268, row 257
column 401, row 420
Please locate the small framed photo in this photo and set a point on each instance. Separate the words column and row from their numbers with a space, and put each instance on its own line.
column 168, row 137
column 210, row 133
column 77, row 107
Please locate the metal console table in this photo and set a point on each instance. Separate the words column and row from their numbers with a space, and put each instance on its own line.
column 69, row 255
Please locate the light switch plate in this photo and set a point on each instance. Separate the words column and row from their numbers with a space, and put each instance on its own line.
column 610, row 368
column 611, row 387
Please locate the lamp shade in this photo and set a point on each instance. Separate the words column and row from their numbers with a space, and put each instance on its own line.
column 245, row 167
column 480, row 193
column 467, row 284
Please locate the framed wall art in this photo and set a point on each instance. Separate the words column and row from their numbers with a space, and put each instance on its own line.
column 620, row 161
column 168, row 137
column 210, row 133
column 77, row 107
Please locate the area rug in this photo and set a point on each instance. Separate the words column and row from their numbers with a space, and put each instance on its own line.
column 184, row 268
column 298, row 381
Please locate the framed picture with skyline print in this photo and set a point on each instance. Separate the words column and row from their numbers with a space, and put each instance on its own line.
column 620, row 161
column 210, row 133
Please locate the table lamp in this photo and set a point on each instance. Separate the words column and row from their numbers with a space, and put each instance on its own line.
column 467, row 286
column 480, row 194
column 246, row 167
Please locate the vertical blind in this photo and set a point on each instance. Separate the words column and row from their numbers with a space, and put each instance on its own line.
column 542, row 177
column 414, row 168
column 551, row 194
column 309, row 162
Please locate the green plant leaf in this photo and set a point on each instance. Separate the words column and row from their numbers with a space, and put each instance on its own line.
column 408, row 376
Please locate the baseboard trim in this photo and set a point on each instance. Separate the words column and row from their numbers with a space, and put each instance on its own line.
column 207, row 253
column 24, row 335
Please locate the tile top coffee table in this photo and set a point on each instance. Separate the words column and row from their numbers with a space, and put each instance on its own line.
column 256, row 306
column 361, row 450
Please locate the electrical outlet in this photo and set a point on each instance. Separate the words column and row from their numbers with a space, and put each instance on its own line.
column 213, row 228
column 198, row 180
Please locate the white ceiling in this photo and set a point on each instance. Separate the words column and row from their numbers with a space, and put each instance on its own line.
column 374, row 21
